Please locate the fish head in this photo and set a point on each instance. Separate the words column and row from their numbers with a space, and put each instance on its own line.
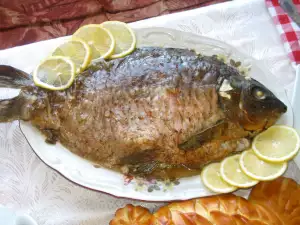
column 250, row 103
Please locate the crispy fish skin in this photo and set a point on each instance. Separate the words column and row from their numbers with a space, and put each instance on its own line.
column 148, row 110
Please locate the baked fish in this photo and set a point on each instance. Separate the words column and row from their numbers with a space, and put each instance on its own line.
column 154, row 111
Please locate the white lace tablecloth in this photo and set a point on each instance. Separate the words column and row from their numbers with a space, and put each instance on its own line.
column 28, row 185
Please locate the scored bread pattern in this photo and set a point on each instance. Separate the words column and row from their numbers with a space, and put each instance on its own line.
column 270, row 203
column 134, row 214
column 281, row 197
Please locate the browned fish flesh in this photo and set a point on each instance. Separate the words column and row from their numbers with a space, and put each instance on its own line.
column 156, row 109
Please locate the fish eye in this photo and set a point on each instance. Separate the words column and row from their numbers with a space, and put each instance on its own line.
column 258, row 93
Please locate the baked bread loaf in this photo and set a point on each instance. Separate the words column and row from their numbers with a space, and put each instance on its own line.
column 133, row 215
column 281, row 197
column 217, row 210
column 270, row 203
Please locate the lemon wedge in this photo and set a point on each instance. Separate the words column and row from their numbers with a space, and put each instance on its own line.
column 279, row 143
column 212, row 179
column 259, row 169
column 55, row 73
column 100, row 40
column 232, row 173
column 78, row 50
column 124, row 36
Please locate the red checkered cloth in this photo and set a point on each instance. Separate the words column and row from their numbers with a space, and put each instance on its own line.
column 289, row 31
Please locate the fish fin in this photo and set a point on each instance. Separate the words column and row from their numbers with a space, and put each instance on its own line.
column 142, row 169
column 147, row 168
column 11, row 77
column 13, row 109
column 206, row 135
column 139, row 157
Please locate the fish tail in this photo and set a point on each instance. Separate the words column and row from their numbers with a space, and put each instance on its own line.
column 11, row 77
column 13, row 109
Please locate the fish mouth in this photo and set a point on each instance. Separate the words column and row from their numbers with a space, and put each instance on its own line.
column 282, row 108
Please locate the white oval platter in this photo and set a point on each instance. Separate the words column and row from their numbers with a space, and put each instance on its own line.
column 86, row 174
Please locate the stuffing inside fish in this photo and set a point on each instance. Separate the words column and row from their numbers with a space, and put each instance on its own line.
column 152, row 112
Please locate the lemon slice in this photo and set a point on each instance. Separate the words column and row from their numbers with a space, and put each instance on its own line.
column 259, row 169
column 232, row 173
column 98, row 38
column 78, row 50
column 212, row 179
column 124, row 36
column 55, row 73
column 277, row 144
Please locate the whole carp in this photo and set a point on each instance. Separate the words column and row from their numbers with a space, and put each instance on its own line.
column 156, row 110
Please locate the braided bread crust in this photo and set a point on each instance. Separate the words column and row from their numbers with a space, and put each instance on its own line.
column 217, row 210
column 133, row 215
column 281, row 197
column 270, row 203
